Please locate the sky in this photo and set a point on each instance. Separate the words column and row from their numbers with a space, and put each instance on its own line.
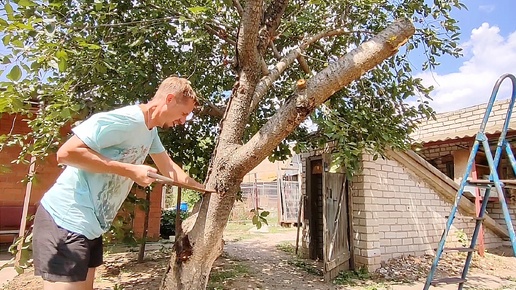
column 488, row 39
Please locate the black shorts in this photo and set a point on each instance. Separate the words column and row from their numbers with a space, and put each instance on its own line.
column 60, row 255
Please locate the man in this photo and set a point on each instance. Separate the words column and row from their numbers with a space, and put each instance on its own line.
column 104, row 158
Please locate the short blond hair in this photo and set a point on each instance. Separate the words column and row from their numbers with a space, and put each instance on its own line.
column 180, row 87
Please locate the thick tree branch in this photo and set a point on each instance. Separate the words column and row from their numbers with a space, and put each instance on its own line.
column 273, row 15
column 247, row 60
column 271, row 21
column 318, row 89
column 248, row 33
column 266, row 82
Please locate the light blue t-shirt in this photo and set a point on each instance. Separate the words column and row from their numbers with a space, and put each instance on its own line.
column 86, row 203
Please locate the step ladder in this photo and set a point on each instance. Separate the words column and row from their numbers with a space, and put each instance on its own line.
column 500, row 185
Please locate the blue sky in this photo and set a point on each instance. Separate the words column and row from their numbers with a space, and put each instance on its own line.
column 489, row 42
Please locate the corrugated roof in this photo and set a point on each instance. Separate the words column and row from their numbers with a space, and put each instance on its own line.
column 463, row 123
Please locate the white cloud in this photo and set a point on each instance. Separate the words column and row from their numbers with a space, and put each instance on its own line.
column 487, row 56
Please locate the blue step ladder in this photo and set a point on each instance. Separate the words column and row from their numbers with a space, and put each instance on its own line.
column 494, row 180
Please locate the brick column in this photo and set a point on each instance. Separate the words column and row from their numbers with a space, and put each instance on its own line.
column 366, row 237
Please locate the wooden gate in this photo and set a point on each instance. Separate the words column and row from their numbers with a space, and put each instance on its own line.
column 336, row 248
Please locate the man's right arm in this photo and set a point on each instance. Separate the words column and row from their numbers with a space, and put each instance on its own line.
column 77, row 154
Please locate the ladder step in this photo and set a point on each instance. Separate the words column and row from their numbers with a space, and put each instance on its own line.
column 509, row 183
column 458, row 250
column 452, row 280
column 469, row 217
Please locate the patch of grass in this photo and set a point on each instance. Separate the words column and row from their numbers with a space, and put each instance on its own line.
column 220, row 276
column 286, row 247
column 351, row 277
column 306, row 267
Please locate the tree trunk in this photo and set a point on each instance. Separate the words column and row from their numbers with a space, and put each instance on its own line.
column 201, row 241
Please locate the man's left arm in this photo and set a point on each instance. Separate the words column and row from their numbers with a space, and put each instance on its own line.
column 169, row 168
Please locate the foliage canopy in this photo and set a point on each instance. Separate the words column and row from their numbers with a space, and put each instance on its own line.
column 68, row 59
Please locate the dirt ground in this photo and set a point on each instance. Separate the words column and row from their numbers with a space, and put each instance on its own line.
column 265, row 260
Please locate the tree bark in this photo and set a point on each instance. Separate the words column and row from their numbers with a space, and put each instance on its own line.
column 232, row 161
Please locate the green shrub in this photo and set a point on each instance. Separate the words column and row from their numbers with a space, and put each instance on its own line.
column 168, row 222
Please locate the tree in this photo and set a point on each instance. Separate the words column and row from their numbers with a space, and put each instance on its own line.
column 261, row 67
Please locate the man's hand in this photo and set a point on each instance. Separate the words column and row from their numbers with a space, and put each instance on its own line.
column 139, row 174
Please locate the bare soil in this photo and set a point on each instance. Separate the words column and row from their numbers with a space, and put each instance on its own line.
column 265, row 260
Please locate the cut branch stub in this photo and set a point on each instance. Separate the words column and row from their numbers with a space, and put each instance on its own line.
column 301, row 84
column 302, row 101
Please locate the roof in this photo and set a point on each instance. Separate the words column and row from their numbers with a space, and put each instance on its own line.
column 463, row 123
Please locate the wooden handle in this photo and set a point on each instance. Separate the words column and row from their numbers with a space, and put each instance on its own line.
column 169, row 181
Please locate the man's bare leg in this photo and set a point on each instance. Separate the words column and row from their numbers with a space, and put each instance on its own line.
column 82, row 285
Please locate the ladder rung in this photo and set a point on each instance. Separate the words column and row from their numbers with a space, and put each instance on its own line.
column 509, row 183
column 452, row 280
column 460, row 250
column 469, row 217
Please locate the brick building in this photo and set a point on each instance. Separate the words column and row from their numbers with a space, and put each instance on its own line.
column 399, row 205
column 12, row 189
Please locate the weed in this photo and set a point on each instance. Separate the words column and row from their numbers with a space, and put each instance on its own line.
column 351, row 277
column 286, row 247
column 306, row 266
column 462, row 238
column 229, row 272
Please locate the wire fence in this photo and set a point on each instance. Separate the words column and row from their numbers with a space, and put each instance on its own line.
column 263, row 195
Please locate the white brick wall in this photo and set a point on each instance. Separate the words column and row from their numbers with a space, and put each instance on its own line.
column 409, row 217
column 395, row 214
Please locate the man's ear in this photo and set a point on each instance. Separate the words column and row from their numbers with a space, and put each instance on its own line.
column 170, row 97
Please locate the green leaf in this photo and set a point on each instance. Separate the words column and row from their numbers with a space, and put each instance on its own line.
column 26, row 3
column 9, row 10
column 62, row 65
column 15, row 74
column 17, row 43
column 61, row 54
column 6, row 39
column 197, row 9
column 137, row 41
column 264, row 213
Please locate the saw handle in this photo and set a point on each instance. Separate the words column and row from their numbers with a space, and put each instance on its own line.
column 169, row 181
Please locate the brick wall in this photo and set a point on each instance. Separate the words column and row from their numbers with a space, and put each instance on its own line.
column 154, row 214
column 397, row 214
column 394, row 214
column 439, row 154
column 12, row 189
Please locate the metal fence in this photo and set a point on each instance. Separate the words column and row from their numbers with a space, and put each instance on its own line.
column 262, row 195
column 290, row 194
